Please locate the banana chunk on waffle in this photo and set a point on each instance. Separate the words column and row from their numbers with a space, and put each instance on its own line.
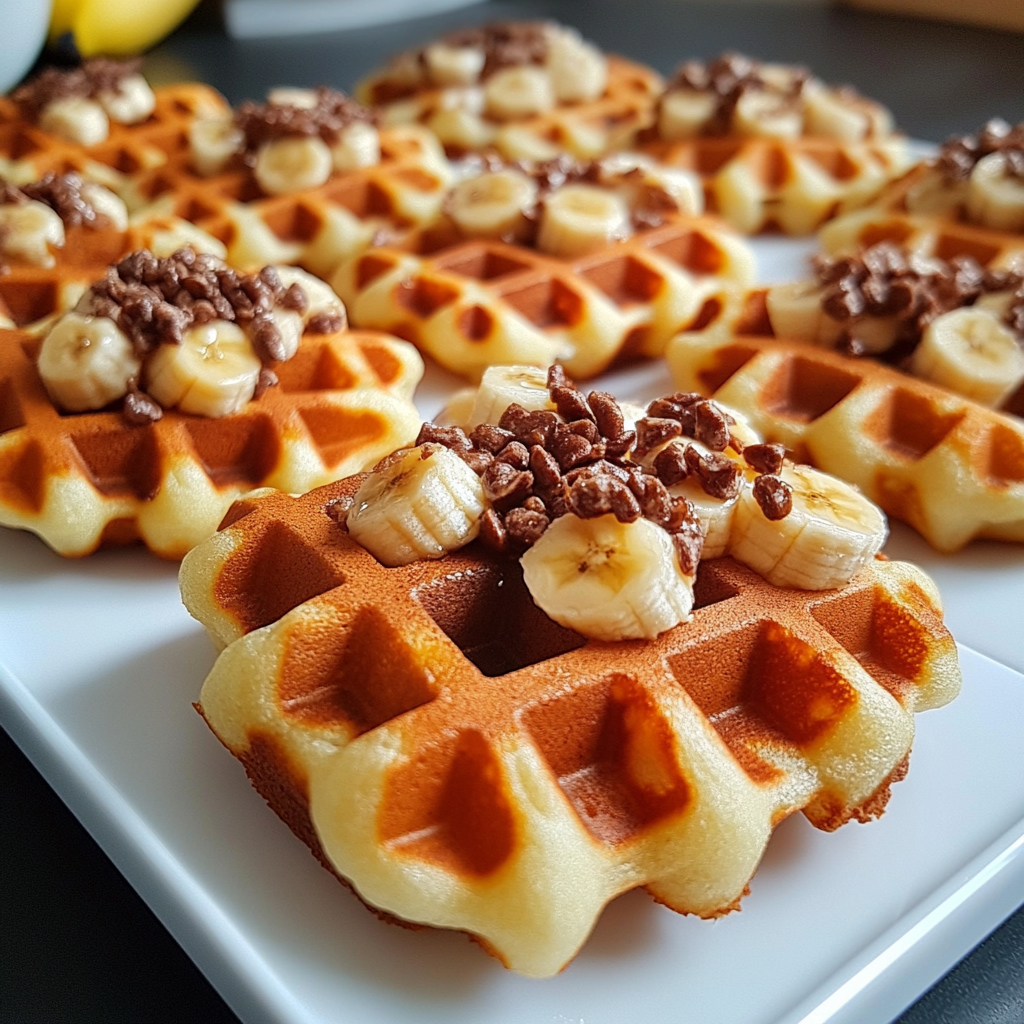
column 108, row 124
column 142, row 415
column 463, row 761
column 947, row 466
column 60, row 233
column 305, row 178
column 968, row 200
column 777, row 149
column 527, row 90
column 584, row 263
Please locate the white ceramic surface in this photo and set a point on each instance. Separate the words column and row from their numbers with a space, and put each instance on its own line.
column 100, row 663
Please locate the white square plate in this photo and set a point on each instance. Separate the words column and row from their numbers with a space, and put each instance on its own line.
column 99, row 664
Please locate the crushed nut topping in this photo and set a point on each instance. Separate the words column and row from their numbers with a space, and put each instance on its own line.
column 538, row 466
column 88, row 80
column 62, row 193
column 333, row 113
column 887, row 281
column 959, row 154
column 505, row 44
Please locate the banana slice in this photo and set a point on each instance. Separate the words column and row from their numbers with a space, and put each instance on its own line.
column 292, row 164
column 502, row 386
column 289, row 96
column 28, row 231
column 934, row 195
column 85, row 362
column 763, row 114
column 608, row 580
column 461, row 128
column 969, row 351
column 493, row 205
column 132, row 102
column 75, row 119
column 213, row 141
column 423, row 503
column 794, row 310
column 578, row 219
column 995, row 196
column 830, row 534
column 213, row 372
column 834, row 114
column 454, row 65
column 518, row 92
column 684, row 113
column 357, row 146
column 578, row 70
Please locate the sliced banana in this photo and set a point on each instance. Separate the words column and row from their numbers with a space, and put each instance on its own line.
column 969, row 351
column 502, row 386
column 995, row 196
column 832, row 113
column 292, row 164
column 106, row 204
column 684, row 113
column 794, row 310
column 578, row 70
column 461, row 128
column 85, row 362
column 29, row 231
column 213, row 372
column 358, row 146
column 933, row 195
column 577, row 219
column 608, row 580
column 213, row 141
column 715, row 515
column 75, row 119
column 518, row 92
column 764, row 114
column 454, row 65
column 289, row 96
column 133, row 100
column 830, row 534
column 164, row 236
column 423, row 504
column 493, row 205
column 320, row 296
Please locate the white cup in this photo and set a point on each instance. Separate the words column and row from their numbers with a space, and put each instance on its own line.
column 22, row 35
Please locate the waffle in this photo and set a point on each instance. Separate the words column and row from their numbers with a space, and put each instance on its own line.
column 464, row 762
column 790, row 185
column 946, row 236
column 471, row 304
column 316, row 228
column 952, row 469
column 27, row 152
column 585, row 130
column 87, row 480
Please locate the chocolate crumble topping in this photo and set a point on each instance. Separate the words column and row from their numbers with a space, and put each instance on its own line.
column 102, row 74
column 960, row 153
column 62, row 193
column 505, row 44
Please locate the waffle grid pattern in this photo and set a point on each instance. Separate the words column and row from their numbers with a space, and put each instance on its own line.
column 471, row 304
column 86, row 480
column 494, row 772
column 952, row 469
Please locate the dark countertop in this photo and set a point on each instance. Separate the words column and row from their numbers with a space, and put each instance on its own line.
column 78, row 944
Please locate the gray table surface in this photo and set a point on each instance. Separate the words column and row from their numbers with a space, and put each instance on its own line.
column 77, row 944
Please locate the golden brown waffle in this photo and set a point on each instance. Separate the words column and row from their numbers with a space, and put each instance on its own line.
column 471, row 304
column 316, row 228
column 789, row 185
column 952, row 469
column 86, row 480
column 585, row 130
column 464, row 762
column 27, row 152
column 951, row 234
column 30, row 293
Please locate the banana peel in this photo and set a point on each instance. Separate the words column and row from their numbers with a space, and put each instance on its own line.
column 116, row 27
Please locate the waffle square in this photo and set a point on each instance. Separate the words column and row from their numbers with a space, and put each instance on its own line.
column 86, row 480
column 464, row 762
column 474, row 303
column 952, row 469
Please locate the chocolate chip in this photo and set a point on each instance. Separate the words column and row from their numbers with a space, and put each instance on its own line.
column 654, row 431
column 525, row 526
column 595, row 496
column 515, row 454
column 711, row 427
column 544, row 467
column 765, row 458
column 570, row 403
column 451, row 437
column 327, row 322
column 607, row 413
column 569, row 449
column 477, row 461
column 616, row 448
column 670, row 464
column 504, row 485
column 688, row 539
column 139, row 409
column 773, row 496
column 492, row 530
column 266, row 379
column 490, row 438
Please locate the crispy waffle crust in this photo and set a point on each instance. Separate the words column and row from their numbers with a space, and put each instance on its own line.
column 476, row 303
column 86, row 480
column 584, row 129
column 27, row 152
column 952, row 469
column 316, row 227
column 464, row 762
column 888, row 220
column 790, row 185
